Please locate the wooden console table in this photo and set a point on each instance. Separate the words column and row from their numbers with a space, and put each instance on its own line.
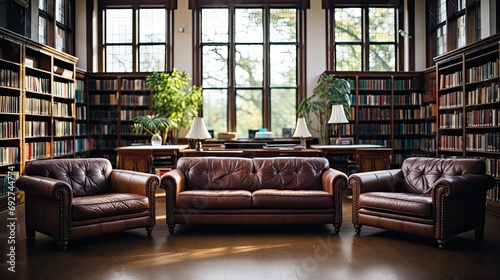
column 251, row 153
column 142, row 157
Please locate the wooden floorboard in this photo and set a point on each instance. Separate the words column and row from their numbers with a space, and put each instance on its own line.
column 253, row 252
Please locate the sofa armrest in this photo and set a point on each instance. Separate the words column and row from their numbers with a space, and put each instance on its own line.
column 376, row 181
column 334, row 181
column 127, row 181
column 173, row 180
column 43, row 186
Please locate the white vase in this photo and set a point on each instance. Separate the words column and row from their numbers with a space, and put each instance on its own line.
column 156, row 140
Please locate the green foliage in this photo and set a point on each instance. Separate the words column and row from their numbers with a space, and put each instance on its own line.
column 151, row 124
column 329, row 91
column 174, row 98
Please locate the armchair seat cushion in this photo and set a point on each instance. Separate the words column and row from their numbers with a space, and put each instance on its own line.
column 215, row 199
column 272, row 198
column 109, row 204
column 399, row 203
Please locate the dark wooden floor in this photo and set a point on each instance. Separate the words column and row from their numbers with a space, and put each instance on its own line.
column 253, row 252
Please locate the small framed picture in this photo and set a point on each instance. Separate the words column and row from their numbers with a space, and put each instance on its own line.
column 286, row 132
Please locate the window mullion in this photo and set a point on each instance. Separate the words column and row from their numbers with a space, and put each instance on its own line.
column 231, row 122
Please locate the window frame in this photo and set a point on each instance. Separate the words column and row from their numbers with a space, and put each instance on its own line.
column 168, row 5
column 301, row 5
column 51, row 24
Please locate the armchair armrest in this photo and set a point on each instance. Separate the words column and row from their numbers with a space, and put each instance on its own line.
column 43, row 186
column 173, row 181
column 127, row 181
column 376, row 181
column 463, row 185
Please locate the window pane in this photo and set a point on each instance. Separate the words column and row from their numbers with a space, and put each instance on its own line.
column 118, row 26
column 215, row 110
column 441, row 11
column 248, row 111
column 152, row 58
column 382, row 24
column 348, row 22
column 283, row 25
column 283, row 104
column 348, row 58
column 42, row 30
column 460, row 5
column 60, row 42
column 152, row 25
column 214, row 66
column 119, row 59
column 248, row 26
column 461, row 31
column 441, row 40
column 283, row 65
column 60, row 11
column 215, row 25
column 42, row 5
column 382, row 57
column 249, row 66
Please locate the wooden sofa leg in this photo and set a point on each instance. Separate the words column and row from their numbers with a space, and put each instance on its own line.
column 149, row 230
column 442, row 243
column 171, row 228
column 62, row 245
column 337, row 227
column 357, row 228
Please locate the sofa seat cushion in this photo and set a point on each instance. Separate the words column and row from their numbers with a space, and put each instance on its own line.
column 272, row 198
column 215, row 199
column 109, row 204
column 401, row 203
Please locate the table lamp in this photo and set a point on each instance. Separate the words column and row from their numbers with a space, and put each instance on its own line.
column 338, row 117
column 198, row 131
column 301, row 132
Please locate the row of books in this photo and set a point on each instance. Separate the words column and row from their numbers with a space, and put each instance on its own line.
column 483, row 142
column 135, row 100
column 9, row 78
column 371, row 99
column 81, row 113
column 483, row 95
column 451, row 100
column 9, row 155
column 103, row 99
column 63, row 147
column 427, row 144
column 483, row 118
column 81, row 145
column 494, row 193
column 104, row 115
column 37, row 84
column 9, row 104
column 8, row 182
column 103, row 129
column 63, row 109
column 374, row 129
column 451, row 142
column 63, row 128
column 482, row 72
column 66, row 90
column 81, row 129
column 9, row 129
column 375, row 84
column 385, row 143
column 101, row 144
column 36, row 129
column 37, row 150
column 103, row 84
column 37, row 106
column 134, row 84
column 408, row 84
column 374, row 113
column 406, row 144
column 408, row 114
column 130, row 115
column 80, row 94
column 451, row 120
column 450, row 80
column 414, row 98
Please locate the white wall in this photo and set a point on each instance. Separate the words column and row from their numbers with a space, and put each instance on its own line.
column 183, row 47
column 80, row 32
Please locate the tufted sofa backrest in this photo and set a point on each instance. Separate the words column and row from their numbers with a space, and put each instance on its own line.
column 290, row 173
column 86, row 176
column 231, row 173
column 422, row 173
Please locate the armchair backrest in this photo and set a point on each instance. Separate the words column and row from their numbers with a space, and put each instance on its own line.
column 86, row 176
column 421, row 173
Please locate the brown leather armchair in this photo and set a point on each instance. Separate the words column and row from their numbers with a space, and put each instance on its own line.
column 73, row 198
column 430, row 197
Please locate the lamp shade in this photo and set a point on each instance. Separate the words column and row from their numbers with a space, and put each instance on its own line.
column 301, row 129
column 338, row 114
column 198, row 130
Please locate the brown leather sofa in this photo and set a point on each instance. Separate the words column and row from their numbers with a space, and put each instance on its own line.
column 73, row 198
column 230, row 190
column 430, row 197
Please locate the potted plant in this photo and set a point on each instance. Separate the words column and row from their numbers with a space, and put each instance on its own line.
column 330, row 91
column 175, row 99
column 155, row 125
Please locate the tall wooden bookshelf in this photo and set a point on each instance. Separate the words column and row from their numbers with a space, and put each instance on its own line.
column 81, row 115
column 468, row 83
column 115, row 100
column 38, row 103
column 387, row 110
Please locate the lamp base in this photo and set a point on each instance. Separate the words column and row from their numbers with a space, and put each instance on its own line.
column 198, row 146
